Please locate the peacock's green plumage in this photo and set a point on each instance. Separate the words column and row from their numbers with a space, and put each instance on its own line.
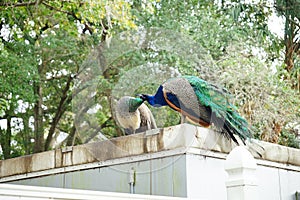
column 223, row 111
column 133, row 104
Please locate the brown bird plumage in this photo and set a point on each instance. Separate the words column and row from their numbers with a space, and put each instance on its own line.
column 134, row 116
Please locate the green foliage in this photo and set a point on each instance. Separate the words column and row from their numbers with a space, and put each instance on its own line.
column 287, row 138
column 291, row 7
column 289, row 10
column 41, row 54
column 260, row 94
column 3, row 107
column 17, row 61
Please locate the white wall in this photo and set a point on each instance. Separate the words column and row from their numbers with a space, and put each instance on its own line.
column 21, row 192
column 205, row 177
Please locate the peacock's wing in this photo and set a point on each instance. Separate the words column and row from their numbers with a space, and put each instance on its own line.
column 224, row 114
column 180, row 96
column 211, row 96
column 147, row 119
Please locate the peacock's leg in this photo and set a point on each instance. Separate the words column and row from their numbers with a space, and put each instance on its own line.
column 183, row 119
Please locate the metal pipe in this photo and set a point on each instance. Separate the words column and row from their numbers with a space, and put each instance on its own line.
column 132, row 180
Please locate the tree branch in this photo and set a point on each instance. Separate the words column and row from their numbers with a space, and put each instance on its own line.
column 60, row 110
column 56, row 9
column 105, row 124
column 86, row 26
column 282, row 11
column 71, row 137
column 20, row 4
column 293, row 21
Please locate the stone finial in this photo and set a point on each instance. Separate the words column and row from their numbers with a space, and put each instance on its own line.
column 241, row 182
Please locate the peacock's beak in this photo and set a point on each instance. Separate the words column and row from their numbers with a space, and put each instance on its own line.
column 142, row 96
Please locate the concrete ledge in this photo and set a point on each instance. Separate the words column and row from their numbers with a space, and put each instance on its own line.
column 26, row 164
column 184, row 136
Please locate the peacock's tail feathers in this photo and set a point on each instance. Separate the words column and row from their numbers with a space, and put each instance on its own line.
column 224, row 114
column 239, row 125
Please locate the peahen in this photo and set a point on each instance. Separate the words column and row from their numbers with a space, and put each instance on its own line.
column 202, row 103
column 133, row 115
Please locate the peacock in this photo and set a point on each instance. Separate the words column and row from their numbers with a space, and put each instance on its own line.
column 202, row 103
column 133, row 115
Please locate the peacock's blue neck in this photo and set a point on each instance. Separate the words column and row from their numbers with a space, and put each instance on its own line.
column 158, row 99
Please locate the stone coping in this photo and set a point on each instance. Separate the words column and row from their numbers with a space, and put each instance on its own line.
column 157, row 140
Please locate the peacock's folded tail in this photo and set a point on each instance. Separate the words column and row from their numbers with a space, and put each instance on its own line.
column 208, row 103
column 224, row 114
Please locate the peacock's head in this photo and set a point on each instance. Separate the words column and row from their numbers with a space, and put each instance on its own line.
column 134, row 103
column 144, row 97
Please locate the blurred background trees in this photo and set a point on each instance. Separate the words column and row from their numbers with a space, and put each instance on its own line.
column 64, row 63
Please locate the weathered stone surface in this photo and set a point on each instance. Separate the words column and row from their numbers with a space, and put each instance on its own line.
column 58, row 158
column 210, row 140
column 294, row 156
column 117, row 147
column 15, row 166
column 26, row 164
column 276, row 153
column 42, row 161
column 81, row 155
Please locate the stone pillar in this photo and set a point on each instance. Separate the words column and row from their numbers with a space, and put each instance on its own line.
column 241, row 183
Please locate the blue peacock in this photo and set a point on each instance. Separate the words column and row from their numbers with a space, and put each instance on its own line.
column 202, row 103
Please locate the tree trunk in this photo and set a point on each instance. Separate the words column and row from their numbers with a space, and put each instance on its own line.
column 38, row 119
column 289, row 50
column 289, row 38
column 5, row 139
column 26, row 135
column 71, row 137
